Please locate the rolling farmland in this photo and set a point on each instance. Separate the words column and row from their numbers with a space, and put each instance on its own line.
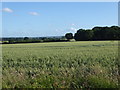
column 84, row 64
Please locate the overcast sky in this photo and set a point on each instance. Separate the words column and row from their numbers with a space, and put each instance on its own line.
column 37, row 19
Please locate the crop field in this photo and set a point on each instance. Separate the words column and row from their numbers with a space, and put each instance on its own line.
column 84, row 64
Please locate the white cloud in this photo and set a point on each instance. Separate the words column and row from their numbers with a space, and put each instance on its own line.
column 7, row 10
column 73, row 24
column 73, row 29
column 33, row 13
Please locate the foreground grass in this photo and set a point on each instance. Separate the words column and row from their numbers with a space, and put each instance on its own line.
column 85, row 64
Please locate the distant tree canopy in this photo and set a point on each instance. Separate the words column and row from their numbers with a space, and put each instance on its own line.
column 14, row 40
column 83, row 35
column 26, row 38
column 98, row 33
column 11, row 41
column 69, row 36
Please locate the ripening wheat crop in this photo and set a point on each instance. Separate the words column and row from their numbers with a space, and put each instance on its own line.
column 84, row 64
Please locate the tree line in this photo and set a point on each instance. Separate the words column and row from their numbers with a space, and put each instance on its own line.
column 96, row 33
column 33, row 40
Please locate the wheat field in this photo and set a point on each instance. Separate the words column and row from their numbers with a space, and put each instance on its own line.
column 83, row 64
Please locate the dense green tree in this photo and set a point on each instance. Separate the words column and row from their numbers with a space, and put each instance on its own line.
column 83, row 35
column 106, row 33
column 115, row 32
column 69, row 36
column 98, row 33
column 26, row 38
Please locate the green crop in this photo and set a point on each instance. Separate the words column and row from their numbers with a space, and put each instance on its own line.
column 84, row 64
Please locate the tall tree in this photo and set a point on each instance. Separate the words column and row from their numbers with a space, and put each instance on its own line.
column 26, row 38
column 83, row 35
column 69, row 36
